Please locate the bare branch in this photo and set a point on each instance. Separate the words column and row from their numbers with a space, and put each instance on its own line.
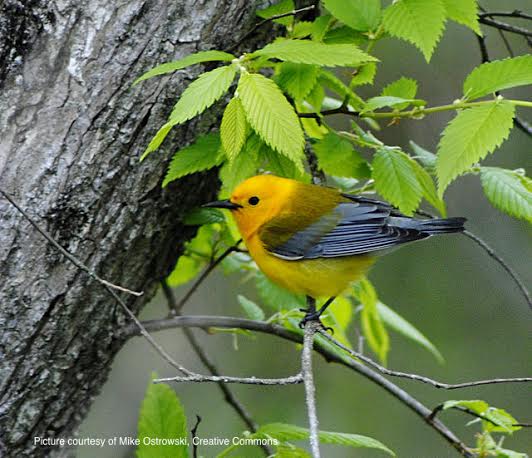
column 193, row 433
column 330, row 355
column 197, row 378
column 483, row 19
column 514, row 14
column 310, row 390
column 64, row 252
column 505, row 266
column 177, row 306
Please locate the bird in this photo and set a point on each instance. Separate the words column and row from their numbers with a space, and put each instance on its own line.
column 316, row 240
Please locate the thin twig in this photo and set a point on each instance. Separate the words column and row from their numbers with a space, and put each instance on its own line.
column 212, row 265
column 193, row 433
column 66, row 253
column 229, row 396
column 421, row 378
column 330, row 355
column 266, row 21
column 504, row 26
column 505, row 266
column 515, row 14
column 292, row 380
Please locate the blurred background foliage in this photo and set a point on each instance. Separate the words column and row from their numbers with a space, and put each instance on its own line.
column 447, row 287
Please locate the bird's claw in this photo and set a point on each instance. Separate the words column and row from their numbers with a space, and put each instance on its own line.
column 313, row 316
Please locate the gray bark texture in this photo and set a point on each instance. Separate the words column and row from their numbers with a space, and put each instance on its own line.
column 71, row 132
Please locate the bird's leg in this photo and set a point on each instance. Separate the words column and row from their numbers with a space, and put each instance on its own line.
column 311, row 314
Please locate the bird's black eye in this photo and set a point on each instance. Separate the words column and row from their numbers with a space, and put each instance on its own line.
column 253, row 200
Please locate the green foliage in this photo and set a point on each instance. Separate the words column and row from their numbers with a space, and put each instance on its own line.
column 191, row 59
column 508, row 190
column 204, row 154
column 251, row 309
column 201, row 216
column 428, row 188
column 336, row 156
column 464, row 12
column 242, row 167
column 286, row 432
column 312, row 52
column 365, row 74
column 396, row 179
column 233, row 129
column 396, row 322
column 297, row 80
column 372, row 323
column 404, row 88
column 271, row 115
column 420, row 22
column 495, row 76
column 275, row 297
column 161, row 416
column 390, row 101
column 471, row 136
column 362, row 15
column 284, row 6
column 494, row 419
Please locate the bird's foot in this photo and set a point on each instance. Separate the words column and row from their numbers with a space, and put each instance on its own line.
column 313, row 315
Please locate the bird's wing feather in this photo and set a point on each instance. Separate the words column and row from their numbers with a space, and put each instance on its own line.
column 353, row 227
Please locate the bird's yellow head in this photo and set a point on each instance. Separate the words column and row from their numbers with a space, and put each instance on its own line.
column 257, row 200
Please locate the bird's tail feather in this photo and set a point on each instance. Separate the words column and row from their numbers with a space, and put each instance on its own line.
column 432, row 226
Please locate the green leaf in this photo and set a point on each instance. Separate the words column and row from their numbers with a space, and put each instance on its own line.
column 312, row 52
column 338, row 317
column 315, row 96
column 464, row 12
column 498, row 75
column 203, row 154
column 202, row 93
column 469, row 137
column 185, row 270
column 427, row 158
column 201, row 216
column 329, row 80
column 428, row 188
column 320, row 26
column 405, row 88
column 336, row 156
column 278, row 164
column 396, row 180
column 270, row 115
column 475, row 405
column 286, row 432
column 399, row 324
column 365, row 74
column 372, row 324
column 276, row 297
column 362, row 15
column 297, row 80
column 290, row 451
column 161, row 416
column 345, row 35
column 420, row 22
column 507, row 190
column 504, row 421
column 302, row 29
column 196, row 58
column 252, row 310
column 284, row 6
column 157, row 140
column 233, row 129
column 389, row 101
column 242, row 167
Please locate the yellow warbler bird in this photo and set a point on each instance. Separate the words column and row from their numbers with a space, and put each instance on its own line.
column 315, row 240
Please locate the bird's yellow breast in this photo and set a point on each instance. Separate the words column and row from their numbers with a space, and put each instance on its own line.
column 312, row 277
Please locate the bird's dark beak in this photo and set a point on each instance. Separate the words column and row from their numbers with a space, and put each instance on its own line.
column 223, row 204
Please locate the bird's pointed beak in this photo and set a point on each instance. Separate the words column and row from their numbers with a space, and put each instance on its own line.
column 222, row 204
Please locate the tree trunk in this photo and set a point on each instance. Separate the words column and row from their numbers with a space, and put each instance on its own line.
column 71, row 132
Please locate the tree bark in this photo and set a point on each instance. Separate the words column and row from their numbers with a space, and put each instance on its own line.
column 71, row 132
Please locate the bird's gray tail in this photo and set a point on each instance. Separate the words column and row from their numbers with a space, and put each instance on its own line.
column 431, row 226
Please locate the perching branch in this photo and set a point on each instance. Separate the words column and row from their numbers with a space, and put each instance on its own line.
column 310, row 330
column 483, row 19
column 330, row 355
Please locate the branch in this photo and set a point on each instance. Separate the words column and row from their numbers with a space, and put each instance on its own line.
column 484, row 19
column 515, row 14
column 266, row 21
column 198, row 378
column 66, row 253
column 206, row 322
column 503, row 263
column 193, row 433
column 310, row 390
